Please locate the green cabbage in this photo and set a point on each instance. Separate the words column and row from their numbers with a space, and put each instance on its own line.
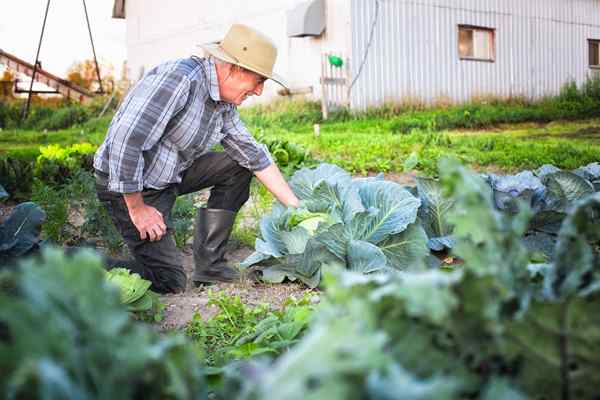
column 132, row 288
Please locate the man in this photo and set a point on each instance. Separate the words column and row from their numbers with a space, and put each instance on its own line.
column 158, row 147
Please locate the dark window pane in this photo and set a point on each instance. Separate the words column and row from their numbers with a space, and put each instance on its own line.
column 594, row 53
column 465, row 42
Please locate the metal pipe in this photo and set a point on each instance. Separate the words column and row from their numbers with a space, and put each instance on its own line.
column 101, row 89
column 35, row 65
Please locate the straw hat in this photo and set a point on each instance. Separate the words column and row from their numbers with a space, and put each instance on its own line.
column 247, row 48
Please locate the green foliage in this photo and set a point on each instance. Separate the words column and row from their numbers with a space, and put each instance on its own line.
column 135, row 293
column 365, row 225
column 288, row 156
column 44, row 116
column 89, row 347
column 572, row 103
column 238, row 331
column 52, row 165
column 56, row 164
column 55, row 202
column 77, row 192
column 16, row 174
column 363, row 146
column 19, row 232
column 65, row 117
column 282, row 113
column 98, row 223
column 183, row 215
column 493, row 327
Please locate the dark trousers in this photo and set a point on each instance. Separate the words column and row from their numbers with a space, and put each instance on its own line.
column 160, row 262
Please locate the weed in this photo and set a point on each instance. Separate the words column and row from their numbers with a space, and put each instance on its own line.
column 238, row 331
column 183, row 214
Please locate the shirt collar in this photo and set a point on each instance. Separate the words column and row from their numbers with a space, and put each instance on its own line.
column 213, row 82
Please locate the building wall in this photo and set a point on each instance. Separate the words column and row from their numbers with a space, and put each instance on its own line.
column 157, row 32
column 540, row 45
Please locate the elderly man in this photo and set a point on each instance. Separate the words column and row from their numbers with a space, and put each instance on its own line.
column 158, row 147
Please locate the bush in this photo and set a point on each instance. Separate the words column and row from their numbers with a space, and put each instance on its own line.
column 65, row 117
column 16, row 173
column 46, row 114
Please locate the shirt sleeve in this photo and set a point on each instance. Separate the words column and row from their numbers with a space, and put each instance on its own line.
column 241, row 145
column 139, row 125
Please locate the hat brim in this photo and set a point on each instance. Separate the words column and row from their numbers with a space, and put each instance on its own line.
column 215, row 50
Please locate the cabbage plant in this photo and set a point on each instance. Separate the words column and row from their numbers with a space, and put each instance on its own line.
column 134, row 291
column 19, row 233
column 366, row 225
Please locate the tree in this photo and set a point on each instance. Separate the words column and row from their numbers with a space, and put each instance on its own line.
column 83, row 73
column 6, row 81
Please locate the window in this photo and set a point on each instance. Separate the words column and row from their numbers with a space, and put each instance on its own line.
column 594, row 53
column 475, row 43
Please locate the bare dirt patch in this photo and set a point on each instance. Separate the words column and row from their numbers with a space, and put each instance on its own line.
column 180, row 308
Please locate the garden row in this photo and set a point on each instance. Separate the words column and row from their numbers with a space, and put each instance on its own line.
column 501, row 324
column 372, row 225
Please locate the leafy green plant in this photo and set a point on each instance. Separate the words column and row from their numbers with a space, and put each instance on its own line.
column 55, row 202
column 90, row 347
column 370, row 227
column 288, row 156
column 56, row 165
column 135, row 293
column 82, row 188
column 238, row 331
column 495, row 327
column 16, row 174
column 183, row 215
column 19, row 232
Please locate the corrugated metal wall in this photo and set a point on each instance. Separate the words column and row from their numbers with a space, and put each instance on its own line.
column 540, row 45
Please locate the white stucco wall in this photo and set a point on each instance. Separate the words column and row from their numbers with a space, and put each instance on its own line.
column 158, row 31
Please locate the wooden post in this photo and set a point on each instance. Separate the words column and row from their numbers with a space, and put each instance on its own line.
column 347, row 79
column 324, row 97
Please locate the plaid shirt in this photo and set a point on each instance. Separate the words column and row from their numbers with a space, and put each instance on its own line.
column 172, row 116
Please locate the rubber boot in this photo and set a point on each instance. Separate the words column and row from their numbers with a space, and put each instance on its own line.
column 212, row 230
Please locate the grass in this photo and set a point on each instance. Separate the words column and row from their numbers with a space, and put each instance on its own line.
column 92, row 132
column 369, row 142
column 369, row 146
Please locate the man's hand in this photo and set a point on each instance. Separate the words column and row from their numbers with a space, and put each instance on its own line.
column 147, row 219
column 275, row 183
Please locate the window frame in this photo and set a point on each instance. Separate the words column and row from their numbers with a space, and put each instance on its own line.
column 590, row 43
column 491, row 31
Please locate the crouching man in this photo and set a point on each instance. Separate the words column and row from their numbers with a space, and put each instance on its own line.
column 158, row 147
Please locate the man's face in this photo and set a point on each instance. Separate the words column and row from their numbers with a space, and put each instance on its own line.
column 241, row 84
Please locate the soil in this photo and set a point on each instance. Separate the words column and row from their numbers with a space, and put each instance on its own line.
column 180, row 308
